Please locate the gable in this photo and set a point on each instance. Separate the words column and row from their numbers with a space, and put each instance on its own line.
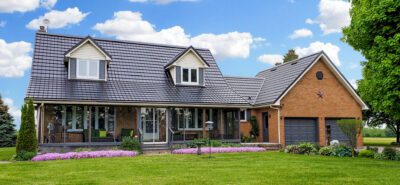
column 88, row 51
column 190, row 60
column 327, row 97
column 329, row 69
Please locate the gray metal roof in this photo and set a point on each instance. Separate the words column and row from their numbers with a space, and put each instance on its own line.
column 136, row 74
column 245, row 86
column 270, row 84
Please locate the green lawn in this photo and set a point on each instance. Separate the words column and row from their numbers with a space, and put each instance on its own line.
column 240, row 168
column 6, row 153
column 378, row 141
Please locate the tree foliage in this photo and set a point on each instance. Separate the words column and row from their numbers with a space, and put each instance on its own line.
column 375, row 32
column 255, row 130
column 27, row 140
column 352, row 129
column 290, row 55
column 7, row 130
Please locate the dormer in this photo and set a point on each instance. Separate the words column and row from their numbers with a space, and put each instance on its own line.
column 87, row 61
column 187, row 68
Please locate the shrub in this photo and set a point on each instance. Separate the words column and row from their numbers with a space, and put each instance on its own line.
column 24, row 156
column 255, row 131
column 327, row 151
column 215, row 143
column 366, row 154
column 374, row 149
column 293, row 149
column 378, row 156
column 82, row 150
column 389, row 153
column 342, row 151
column 129, row 143
column 307, row 148
column 395, row 144
column 27, row 140
column 245, row 139
column 352, row 129
column 397, row 158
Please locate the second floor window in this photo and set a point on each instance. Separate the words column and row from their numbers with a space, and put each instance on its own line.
column 190, row 75
column 87, row 69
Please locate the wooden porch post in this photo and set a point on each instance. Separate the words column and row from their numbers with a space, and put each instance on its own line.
column 204, row 123
column 41, row 118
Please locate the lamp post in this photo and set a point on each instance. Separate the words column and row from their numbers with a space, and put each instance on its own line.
column 209, row 125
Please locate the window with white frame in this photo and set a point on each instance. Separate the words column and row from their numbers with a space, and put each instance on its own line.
column 243, row 115
column 188, row 118
column 190, row 75
column 87, row 69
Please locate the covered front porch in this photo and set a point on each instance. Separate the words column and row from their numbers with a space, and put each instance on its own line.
column 78, row 125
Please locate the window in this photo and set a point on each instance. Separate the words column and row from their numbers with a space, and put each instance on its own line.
column 243, row 115
column 189, row 119
column 76, row 118
column 190, row 75
column 87, row 69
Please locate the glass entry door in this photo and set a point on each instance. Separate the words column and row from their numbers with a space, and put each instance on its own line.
column 154, row 124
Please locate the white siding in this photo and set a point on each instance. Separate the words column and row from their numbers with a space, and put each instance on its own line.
column 190, row 60
column 88, row 51
column 173, row 73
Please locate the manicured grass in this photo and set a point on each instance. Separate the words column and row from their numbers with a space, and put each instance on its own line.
column 234, row 168
column 378, row 141
column 6, row 153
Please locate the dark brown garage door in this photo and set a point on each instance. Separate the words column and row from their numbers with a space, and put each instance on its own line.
column 299, row 130
column 333, row 131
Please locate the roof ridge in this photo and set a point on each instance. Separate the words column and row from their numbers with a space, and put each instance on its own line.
column 319, row 52
column 230, row 76
column 122, row 41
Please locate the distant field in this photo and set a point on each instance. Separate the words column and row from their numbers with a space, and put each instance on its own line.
column 6, row 153
column 378, row 141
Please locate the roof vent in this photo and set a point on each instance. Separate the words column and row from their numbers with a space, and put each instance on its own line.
column 249, row 97
column 273, row 69
column 293, row 63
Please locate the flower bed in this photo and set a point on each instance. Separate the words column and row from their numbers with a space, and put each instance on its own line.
column 80, row 155
column 218, row 150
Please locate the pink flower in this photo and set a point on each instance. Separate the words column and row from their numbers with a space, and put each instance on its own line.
column 218, row 150
column 81, row 155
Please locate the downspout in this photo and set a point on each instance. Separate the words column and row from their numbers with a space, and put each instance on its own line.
column 278, row 121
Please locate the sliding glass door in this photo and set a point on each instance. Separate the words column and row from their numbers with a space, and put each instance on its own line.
column 154, row 124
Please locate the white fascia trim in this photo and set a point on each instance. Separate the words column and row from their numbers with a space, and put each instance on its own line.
column 93, row 44
column 197, row 56
column 331, row 66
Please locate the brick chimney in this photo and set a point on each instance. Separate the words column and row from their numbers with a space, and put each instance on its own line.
column 42, row 29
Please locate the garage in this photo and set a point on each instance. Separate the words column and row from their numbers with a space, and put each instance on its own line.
column 299, row 130
column 333, row 132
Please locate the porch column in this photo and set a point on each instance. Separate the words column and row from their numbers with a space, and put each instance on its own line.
column 204, row 123
column 41, row 118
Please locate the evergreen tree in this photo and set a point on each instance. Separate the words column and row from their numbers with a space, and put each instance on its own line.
column 7, row 130
column 27, row 140
column 290, row 55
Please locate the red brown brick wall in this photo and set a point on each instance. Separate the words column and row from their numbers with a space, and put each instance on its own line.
column 302, row 101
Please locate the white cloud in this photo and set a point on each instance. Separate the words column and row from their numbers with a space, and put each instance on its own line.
column 330, row 49
column 13, row 110
column 49, row 4
column 353, row 66
column 58, row 19
column 270, row 59
column 161, row 1
column 333, row 16
column 127, row 25
column 14, row 58
column 353, row 82
column 10, row 6
column 300, row 33
column 2, row 24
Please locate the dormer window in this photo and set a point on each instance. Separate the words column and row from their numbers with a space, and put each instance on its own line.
column 190, row 76
column 87, row 69
column 188, row 68
column 87, row 61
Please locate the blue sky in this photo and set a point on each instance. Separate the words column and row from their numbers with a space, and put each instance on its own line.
column 244, row 36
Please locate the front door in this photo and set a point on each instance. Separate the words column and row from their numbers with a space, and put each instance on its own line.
column 265, row 126
column 230, row 117
column 152, row 120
